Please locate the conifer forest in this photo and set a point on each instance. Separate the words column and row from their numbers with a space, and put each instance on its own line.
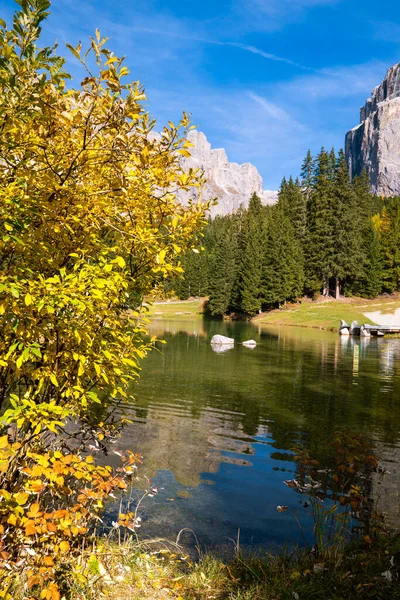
column 326, row 235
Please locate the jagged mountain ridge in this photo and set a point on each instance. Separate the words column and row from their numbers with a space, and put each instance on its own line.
column 374, row 144
column 232, row 184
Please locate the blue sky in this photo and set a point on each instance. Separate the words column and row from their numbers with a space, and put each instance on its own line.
column 265, row 79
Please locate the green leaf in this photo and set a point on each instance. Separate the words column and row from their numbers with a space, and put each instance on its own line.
column 74, row 52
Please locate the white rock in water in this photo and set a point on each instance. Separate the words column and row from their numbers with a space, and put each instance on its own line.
column 220, row 348
column 344, row 331
column 221, row 340
column 250, row 344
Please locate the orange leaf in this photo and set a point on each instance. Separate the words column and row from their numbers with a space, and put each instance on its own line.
column 30, row 529
column 34, row 510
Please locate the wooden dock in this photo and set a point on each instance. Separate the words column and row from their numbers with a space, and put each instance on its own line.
column 367, row 330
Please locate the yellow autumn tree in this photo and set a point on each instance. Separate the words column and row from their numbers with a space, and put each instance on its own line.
column 89, row 218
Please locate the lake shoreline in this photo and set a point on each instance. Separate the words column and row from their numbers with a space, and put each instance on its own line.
column 321, row 314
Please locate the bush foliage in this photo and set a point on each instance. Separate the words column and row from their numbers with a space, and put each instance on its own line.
column 88, row 219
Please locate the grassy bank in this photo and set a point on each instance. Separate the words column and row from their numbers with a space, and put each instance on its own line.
column 176, row 308
column 368, row 570
column 328, row 313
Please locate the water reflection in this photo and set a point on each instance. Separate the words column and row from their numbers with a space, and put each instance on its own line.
column 217, row 432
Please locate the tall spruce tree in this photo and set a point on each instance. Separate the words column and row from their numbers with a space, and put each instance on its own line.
column 222, row 269
column 248, row 296
column 283, row 276
column 390, row 239
column 307, row 174
column 346, row 257
column 369, row 284
column 294, row 203
column 319, row 239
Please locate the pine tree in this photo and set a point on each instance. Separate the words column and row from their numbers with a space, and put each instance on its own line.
column 333, row 164
column 222, row 269
column 370, row 283
column 346, row 257
column 247, row 288
column 283, row 276
column 294, row 203
column 367, row 203
column 319, row 236
column 307, row 174
column 390, row 239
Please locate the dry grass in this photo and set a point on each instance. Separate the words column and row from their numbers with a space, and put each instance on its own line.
column 135, row 571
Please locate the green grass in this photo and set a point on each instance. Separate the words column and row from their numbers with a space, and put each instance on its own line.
column 135, row 570
column 176, row 308
column 327, row 315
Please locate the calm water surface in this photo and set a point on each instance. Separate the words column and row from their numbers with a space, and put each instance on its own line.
column 217, row 429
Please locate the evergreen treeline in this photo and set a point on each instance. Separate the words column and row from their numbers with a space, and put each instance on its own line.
column 325, row 235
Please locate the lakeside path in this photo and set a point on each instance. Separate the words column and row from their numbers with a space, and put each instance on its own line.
column 327, row 313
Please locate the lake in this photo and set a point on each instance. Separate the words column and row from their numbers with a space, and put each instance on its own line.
column 217, row 430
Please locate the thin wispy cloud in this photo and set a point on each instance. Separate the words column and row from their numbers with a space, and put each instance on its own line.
column 275, row 111
column 267, row 55
column 239, row 45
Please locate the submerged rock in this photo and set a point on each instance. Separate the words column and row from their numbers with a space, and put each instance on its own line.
column 221, row 340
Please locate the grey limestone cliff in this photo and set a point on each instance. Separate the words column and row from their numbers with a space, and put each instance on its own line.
column 232, row 184
column 375, row 143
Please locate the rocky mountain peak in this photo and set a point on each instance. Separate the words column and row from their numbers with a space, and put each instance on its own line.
column 232, row 184
column 387, row 90
column 374, row 144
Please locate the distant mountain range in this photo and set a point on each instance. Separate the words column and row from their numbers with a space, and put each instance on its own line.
column 374, row 144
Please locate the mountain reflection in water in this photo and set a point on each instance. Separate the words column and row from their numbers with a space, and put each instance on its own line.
column 217, row 429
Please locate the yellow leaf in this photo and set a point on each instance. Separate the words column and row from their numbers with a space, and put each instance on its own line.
column 34, row 510
column 28, row 299
column 53, row 379
column 161, row 257
column 4, row 441
column 120, row 262
column 12, row 519
column 21, row 498
column 64, row 546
